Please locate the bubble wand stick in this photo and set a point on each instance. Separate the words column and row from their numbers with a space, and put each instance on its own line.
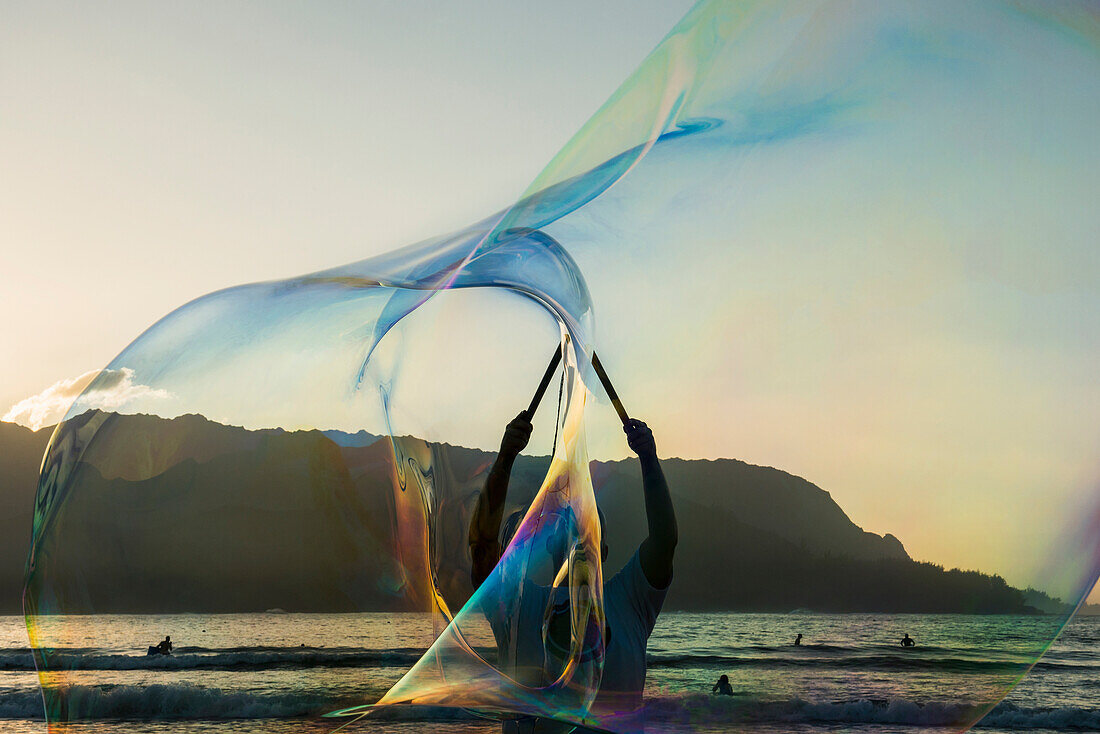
column 609, row 389
column 546, row 377
column 600, row 373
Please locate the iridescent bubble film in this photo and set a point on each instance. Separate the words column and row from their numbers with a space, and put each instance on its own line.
column 858, row 239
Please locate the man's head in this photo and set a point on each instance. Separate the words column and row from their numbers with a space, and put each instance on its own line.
column 555, row 540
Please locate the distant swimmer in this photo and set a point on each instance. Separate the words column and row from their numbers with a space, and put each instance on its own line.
column 798, row 640
column 907, row 641
column 164, row 647
column 723, row 687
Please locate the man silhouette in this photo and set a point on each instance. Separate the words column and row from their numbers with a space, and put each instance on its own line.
column 632, row 597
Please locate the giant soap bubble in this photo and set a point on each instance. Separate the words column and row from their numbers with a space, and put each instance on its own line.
column 854, row 240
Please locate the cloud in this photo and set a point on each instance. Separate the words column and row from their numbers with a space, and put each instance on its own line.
column 111, row 390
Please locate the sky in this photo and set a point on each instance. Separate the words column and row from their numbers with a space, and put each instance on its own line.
column 156, row 153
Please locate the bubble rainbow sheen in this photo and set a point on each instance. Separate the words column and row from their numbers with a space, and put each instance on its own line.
column 901, row 158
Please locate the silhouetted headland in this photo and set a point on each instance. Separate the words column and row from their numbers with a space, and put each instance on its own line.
column 239, row 520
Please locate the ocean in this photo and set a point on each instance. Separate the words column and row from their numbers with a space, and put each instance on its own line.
column 277, row 673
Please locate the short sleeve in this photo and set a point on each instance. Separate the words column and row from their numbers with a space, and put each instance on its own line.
column 645, row 599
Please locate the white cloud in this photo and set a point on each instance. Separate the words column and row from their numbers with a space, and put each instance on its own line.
column 112, row 390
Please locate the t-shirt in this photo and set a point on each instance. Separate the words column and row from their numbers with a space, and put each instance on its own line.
column 631, row 606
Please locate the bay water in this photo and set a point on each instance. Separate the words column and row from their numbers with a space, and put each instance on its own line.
column 275, row 672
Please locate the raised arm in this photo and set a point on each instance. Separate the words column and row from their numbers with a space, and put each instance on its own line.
column 485, row 526
column 659, row 547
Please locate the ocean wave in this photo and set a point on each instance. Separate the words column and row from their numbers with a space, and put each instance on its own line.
column 184, row 701
column 697, row 709
column 202, row 659
column 171, row 701
column 900, row 662
column 259, row 658
column 181, row 701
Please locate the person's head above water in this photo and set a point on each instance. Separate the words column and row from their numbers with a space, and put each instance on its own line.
column 555, row 541
column 724, row 678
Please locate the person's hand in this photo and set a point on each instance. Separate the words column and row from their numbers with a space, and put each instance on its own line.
column 640, row 439
column 516, row 435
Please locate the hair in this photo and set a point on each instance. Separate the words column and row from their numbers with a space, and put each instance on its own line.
column 511, row 524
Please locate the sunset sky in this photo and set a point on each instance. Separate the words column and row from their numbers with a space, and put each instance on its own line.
column 155, row 153
column 928, row 358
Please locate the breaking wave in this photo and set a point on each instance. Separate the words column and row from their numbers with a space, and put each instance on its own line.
column 258, row 658
column 231, row 659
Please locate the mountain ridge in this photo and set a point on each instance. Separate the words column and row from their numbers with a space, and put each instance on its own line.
column 327, row 496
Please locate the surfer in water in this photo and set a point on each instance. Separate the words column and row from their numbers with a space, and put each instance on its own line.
column 798, row 640
column 907, row 641
column 723, row 687
column 164, row 647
